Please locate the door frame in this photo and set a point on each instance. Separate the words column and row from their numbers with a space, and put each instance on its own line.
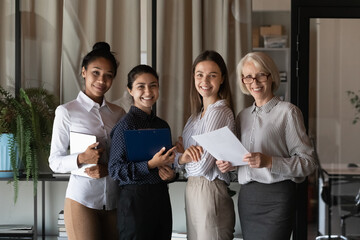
column 301, row 13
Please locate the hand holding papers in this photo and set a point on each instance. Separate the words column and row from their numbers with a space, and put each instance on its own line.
column 222, row 144
column 79, row 142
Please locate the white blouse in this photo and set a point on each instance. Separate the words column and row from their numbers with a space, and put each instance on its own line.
column 85, row 116
column 217, row 115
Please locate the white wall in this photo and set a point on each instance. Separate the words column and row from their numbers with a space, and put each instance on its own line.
column 23, row 211
column 337, row 66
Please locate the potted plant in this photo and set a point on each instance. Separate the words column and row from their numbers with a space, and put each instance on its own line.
column 355, row 101
column 28, row 118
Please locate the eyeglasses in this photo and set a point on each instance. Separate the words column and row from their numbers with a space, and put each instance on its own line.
column 260, row 77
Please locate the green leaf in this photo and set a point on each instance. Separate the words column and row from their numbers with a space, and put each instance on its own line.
column 29, row 117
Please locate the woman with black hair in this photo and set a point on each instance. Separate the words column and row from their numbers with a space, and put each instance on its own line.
column 90, row 203
column 144, row 208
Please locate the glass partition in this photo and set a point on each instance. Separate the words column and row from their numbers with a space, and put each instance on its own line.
column 334, row 70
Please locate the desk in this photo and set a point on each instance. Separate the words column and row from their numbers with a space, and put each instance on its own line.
column 43, row 178
column 54, row 196
column 46, row 178
column 42, row 208
column 341, row 170
column 341, row 174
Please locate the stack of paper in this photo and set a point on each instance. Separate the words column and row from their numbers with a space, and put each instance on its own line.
column 178, row 236
column 61, row 227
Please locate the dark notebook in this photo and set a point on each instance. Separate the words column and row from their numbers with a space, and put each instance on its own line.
column 142, row 145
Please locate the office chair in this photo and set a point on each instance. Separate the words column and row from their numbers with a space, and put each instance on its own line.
column 353, row 210
column 326, row 196
column 330, row 200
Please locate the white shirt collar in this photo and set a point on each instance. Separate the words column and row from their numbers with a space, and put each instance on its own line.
column 89, row 104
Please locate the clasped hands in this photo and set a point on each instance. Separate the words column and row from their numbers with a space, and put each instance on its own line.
column 192, row 153
column 255, row 160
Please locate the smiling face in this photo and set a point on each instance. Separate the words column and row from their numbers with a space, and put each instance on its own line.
column 208, row 79
column 145, row 91
column 261, row 91
column 98, row 77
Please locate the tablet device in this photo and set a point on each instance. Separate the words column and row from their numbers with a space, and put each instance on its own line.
column 142, row 145
column 79, row 142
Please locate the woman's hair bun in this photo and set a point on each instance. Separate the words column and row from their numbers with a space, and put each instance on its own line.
column 104, row 46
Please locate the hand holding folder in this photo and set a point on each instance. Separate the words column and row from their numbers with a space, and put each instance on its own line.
column 79, row 142
column 144, row 144
column 162, row 159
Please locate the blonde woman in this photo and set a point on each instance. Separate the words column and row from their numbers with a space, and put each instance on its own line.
column 280, row 153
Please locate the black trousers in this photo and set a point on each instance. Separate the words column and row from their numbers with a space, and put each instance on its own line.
column 266, row 211
column 144, row 212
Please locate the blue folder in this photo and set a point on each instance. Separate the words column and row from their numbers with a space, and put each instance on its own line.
column 142, row 145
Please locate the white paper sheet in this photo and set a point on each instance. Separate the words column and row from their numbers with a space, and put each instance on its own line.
column 79, row 142
column 222, row 144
